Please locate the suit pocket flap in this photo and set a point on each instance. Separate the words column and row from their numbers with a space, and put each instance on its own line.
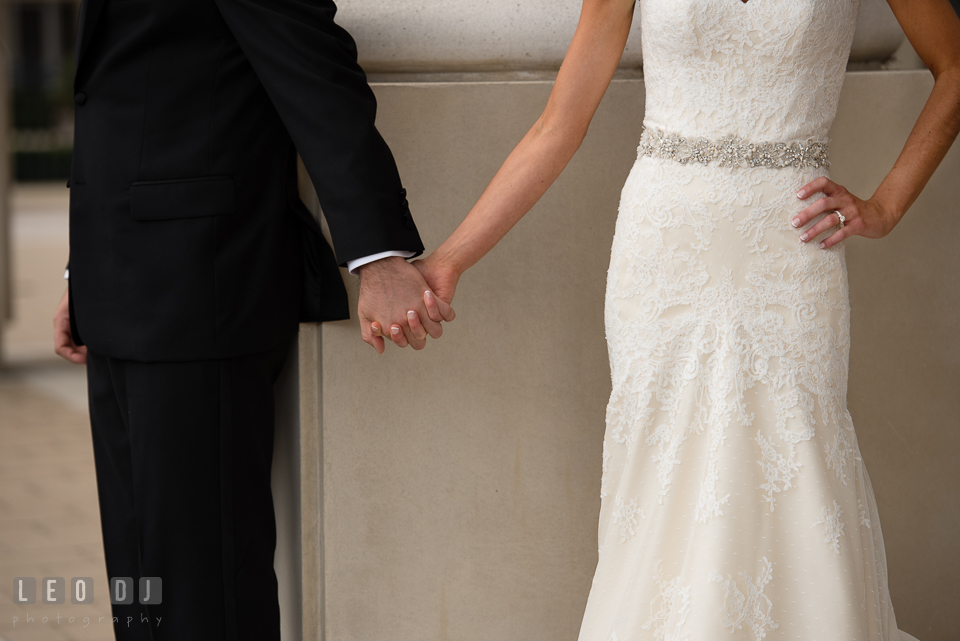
column 193, row 198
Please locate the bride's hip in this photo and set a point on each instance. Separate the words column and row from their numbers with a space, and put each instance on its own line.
column 698, row 208
column 660, row 185
column 699, row 236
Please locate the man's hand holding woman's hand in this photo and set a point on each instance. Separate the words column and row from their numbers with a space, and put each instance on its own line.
column 443, row 284
column 394, row 294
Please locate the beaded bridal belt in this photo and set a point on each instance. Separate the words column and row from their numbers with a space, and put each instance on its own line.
column 732, row 151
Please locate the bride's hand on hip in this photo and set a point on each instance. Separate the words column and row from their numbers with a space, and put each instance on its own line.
column 858, row 217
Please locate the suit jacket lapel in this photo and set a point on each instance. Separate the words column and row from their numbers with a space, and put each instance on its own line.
column 89, row 13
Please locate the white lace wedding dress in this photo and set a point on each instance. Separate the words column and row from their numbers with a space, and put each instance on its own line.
column 735, row 504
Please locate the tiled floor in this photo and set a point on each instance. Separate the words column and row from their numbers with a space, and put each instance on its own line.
column 49, row 519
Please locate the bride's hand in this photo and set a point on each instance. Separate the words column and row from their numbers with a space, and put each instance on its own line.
column 443, row 282
column 862, row 217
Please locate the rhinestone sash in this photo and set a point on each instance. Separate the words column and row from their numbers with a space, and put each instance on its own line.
column 732, row 151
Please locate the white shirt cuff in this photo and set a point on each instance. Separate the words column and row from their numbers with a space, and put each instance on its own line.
column 353, row 265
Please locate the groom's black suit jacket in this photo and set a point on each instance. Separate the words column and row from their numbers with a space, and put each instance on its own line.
column 187, row 238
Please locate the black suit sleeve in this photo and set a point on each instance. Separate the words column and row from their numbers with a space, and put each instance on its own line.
column 308, row 66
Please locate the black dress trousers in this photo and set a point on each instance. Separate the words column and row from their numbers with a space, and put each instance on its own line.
column 183, row 453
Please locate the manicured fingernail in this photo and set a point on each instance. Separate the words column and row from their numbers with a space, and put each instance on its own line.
column 803, row 236
column 428, row 294
column 801, row 194
column 795, row 222
column 412, row 315
column 823, row 245
column 395, row 330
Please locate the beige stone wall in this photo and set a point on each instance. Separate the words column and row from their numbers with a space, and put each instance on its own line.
column 904, row 391
column 461, row 483
column 459, row 486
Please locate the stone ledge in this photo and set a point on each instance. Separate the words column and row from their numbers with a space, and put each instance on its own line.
column 430, row 36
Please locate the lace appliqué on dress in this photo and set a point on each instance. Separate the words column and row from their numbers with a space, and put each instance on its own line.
column 627, row 516
column 833, row 526
column 751, row 608
column 669, row 609
column 778, row 470
column 605, row 471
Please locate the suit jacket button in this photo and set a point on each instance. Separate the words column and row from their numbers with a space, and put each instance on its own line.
column 80, row 98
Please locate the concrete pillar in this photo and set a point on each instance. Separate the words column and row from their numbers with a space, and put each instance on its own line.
column 463, row 36
column 459, row 486
column 460, row 35
column 878, row 33
column 453, row 493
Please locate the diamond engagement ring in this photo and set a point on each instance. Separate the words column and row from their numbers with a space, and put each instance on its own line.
column 841, row 217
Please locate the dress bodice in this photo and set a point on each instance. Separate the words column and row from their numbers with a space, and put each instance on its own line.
column 764, row 70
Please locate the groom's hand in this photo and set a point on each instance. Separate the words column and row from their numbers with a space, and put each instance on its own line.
column 390, row 288
column 63, row 343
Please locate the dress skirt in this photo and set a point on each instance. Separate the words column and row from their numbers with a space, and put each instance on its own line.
column 735, row 503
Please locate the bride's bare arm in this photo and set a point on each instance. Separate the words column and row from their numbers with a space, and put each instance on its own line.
column 546, row 149
column 933, row 29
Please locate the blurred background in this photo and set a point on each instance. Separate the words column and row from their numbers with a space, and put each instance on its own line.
column 38, row 47
column 49, row 521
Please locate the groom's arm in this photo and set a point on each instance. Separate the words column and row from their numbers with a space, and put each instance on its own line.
column 308, row 66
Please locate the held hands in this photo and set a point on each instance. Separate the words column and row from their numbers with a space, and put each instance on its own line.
column 860, row 217
column 63, row 343
column 442, row 278
column 394, row 294
column 443, row 282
